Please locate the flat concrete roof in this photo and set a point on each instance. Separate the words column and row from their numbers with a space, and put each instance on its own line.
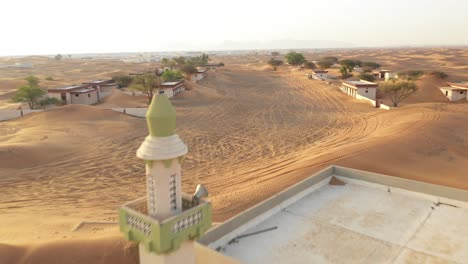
column 68, row 88
column 373, row 218
column 97, row 81
column 453, row 88
column 83, row 90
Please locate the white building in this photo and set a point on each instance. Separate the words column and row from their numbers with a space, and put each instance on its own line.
column 173, row 88
column 455, row 91
column 76, row 94
column 390, row 76
column 360, row 89
column 320, row 74
column 103, row 87
column 342, row 215
column 199, row 75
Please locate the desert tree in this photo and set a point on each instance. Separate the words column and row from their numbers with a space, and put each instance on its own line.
column 274, row 53
column 439, row 74
column 122, row 80
column 164, row 62
column 30, row 93
column 58, row 57
column 309, row 65
column 33, row 81
column 367, row 77
column 295, row 58
column 370, row 65
column 188, row 69
column 172, row 76
column 349, row 64
column 147, row 83
column 179, row 60
column 171, row 64
column 324, row 64
column 344, row 72
column 398, row 90
column 275, row 63
column 331, row 59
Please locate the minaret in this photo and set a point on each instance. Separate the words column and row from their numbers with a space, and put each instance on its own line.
column 161, row 152
column 167, row 221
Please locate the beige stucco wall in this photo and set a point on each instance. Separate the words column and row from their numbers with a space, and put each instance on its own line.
column 83, row 98
column 371, row 92
column 59, row 97
column 454, row 95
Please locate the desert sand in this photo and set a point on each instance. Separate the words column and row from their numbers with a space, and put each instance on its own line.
column 250, row 131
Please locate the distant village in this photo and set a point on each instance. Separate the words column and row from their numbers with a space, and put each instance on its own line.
column 170, row 78
column 371, row 83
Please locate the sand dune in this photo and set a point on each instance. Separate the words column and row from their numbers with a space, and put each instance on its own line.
column 250, row 132
column 101, row 251
column 118, row 99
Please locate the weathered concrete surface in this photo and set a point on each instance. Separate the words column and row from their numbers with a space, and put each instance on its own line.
column 358, row 223
column 11, row 114
column 138, row 112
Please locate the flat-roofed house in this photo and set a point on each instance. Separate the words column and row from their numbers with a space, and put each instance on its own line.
column 199, row 75
column 173, row 88
column 212, row 66
column 320, row 74
column 75, row 94
column 390, row 76
column 360, row 89
column 102, row 86
column 382, row 73
column 455, row 91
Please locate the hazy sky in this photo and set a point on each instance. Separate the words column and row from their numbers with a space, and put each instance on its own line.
column 82, row 26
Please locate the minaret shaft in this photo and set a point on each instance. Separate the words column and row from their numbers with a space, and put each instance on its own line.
column 163, row 186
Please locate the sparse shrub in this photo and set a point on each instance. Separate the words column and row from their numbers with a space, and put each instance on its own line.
column 411, row 75
column 370, row 65
column 58, row 57
column 274, row 53
column 331, row 59
column 49, row 78
column 324, row 64
column 309, row 65
column 439, row 74
column 367, row 77
column 49, row 101
column 221, row 64
column 123, row 80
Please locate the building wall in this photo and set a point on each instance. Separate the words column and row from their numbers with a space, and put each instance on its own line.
column 454, row 95
column 390, row 76
column 59, row 97
column 168, row 92
column 85, row 98
column 367, row 92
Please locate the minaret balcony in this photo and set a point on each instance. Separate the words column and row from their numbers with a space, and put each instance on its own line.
column 164, row 236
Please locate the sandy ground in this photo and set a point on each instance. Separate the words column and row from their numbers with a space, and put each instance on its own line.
column 250, row 132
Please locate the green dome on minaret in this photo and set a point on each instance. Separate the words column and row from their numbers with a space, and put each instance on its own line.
column 161, row 117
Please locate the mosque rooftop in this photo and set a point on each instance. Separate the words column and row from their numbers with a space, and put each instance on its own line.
column 371, row 218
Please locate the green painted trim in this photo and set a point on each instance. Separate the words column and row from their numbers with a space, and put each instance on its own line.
column 161, row 239
column 161, row 117
column 167, row 163
column 149, row 163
